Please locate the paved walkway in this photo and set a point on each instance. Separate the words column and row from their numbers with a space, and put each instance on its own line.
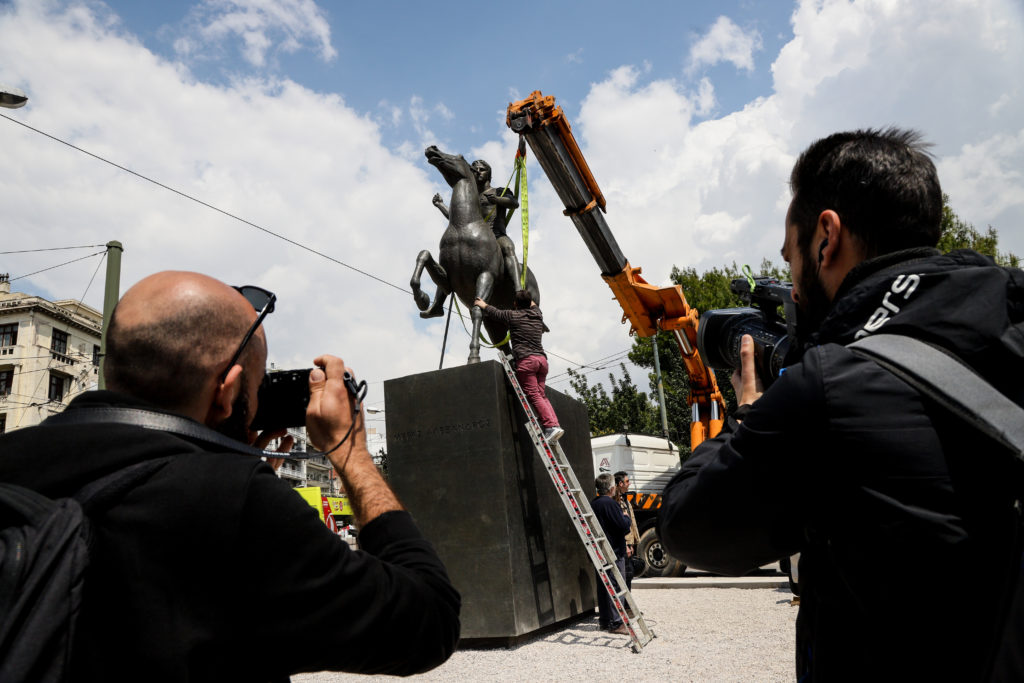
column 696, row 580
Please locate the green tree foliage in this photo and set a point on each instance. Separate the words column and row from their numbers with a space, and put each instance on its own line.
column 958, row 234
column 627, row 409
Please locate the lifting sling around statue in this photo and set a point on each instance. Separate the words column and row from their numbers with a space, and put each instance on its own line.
column 470, row 261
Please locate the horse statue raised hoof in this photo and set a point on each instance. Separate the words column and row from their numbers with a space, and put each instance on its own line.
column 469, row 260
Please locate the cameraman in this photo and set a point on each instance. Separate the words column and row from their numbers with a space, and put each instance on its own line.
column 212, row 568
column 892, row 503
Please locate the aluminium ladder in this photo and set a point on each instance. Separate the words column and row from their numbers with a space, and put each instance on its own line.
column 582, row 515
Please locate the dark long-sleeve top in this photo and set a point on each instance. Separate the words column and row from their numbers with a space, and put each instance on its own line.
column 526, row 326
column 215, row 569
column 883, row 493
column 614, row 522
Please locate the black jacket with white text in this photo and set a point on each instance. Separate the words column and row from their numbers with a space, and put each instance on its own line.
column 903, row 516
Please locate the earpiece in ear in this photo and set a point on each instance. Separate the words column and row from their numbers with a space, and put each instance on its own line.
column 821, row 250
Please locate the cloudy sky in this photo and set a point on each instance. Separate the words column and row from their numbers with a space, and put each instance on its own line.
column 309, row 119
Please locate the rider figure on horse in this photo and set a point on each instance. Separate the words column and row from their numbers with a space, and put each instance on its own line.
column 496, row 206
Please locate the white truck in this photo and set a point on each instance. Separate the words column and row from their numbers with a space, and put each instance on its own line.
column 650, row 461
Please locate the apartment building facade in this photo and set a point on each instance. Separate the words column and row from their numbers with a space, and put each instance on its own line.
column 49, row 353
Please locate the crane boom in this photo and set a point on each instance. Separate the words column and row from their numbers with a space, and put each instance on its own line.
column 647, row 308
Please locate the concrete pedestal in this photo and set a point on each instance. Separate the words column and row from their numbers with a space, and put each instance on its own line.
column 461, row 461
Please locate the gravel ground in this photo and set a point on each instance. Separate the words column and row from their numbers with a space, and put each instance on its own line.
column 703, row 634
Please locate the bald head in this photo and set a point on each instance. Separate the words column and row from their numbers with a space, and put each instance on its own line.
column 172, row 335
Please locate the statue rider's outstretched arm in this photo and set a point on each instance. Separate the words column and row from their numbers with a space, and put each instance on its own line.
column 439, row 203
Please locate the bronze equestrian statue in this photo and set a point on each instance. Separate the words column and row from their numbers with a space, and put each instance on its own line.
column 470, row 262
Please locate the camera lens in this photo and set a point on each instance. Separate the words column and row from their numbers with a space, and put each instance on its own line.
column 720, row 334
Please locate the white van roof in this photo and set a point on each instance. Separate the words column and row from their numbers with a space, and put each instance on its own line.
column 637, row 440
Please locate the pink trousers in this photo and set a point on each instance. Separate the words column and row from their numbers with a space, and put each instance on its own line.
column 531, row 373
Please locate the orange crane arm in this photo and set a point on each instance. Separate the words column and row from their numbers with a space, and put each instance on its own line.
column 647, row 308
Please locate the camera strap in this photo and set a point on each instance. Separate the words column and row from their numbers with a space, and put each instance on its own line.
column 950, row 383
column 162, row 422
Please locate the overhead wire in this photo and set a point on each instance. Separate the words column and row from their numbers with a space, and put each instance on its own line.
column 206, row 204
column 599, row 364
column 565, row 377
column 58, row 265
column 32, row 251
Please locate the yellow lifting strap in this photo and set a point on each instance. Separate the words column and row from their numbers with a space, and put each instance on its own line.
column 519, row 173
column 524, row 206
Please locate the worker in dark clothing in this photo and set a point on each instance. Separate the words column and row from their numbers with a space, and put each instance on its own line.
column 883, row 493
column 213, row 568
column 615, row 524
column 526, row 325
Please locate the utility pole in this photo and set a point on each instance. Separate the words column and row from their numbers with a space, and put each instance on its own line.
column 661, row 390
column 111, row 293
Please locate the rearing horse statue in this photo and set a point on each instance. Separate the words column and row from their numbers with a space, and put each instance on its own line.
column 469, row 259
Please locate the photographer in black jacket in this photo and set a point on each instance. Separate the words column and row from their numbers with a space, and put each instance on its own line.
column 903, row 515
column 212, row 568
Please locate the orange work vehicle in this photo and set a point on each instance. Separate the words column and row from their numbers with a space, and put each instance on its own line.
column 647, row 308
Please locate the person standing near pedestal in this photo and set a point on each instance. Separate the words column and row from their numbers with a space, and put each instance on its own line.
column 615, row 525
column 526, row 325
column 633, row 537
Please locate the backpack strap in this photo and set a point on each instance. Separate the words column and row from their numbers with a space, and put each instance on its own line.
column 950, row 383
column 954, row 386
column 163, row 422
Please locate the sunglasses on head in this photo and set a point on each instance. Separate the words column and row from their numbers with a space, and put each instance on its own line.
column 261, row 300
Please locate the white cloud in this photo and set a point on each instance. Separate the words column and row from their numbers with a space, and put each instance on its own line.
column 705, row 98
column 682, row 189
column 443, row 111
column 705, row 193
column 986, row 180
column 575, row 57
column 725, row 42
column 259, row 25
column 296, row 162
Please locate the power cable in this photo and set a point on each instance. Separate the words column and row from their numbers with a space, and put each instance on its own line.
column 58, row 265
column 566, row 379
column 32, row 251
column 599, row 364
column 207, row 205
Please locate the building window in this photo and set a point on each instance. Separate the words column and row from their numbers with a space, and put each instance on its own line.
column 95, row 354
column 57, row 386
column 59, row 347
column 9, row 334
column 6, row 380
column 59, row 343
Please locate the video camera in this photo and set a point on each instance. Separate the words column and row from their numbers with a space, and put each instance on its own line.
column 284, row 396
column 721, row 331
